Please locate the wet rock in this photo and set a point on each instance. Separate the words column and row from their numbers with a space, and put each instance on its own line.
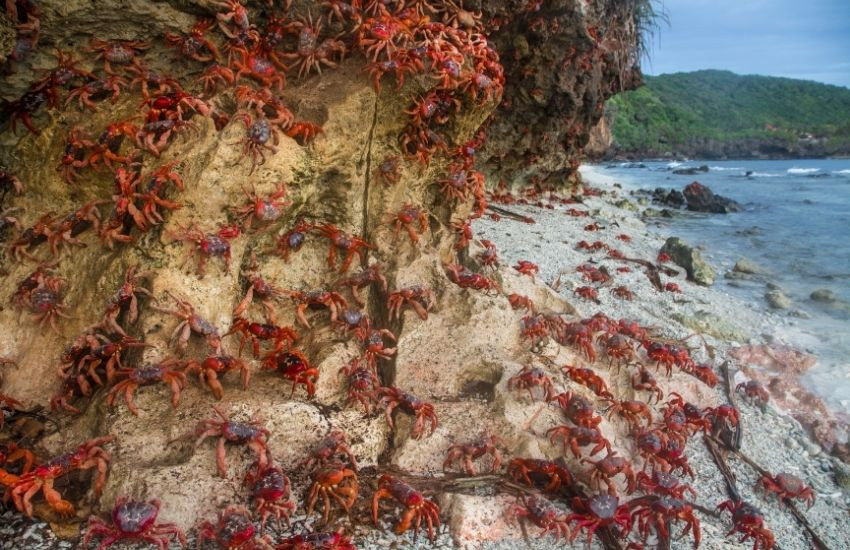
column 626, row 204
column 737, row 276
column 823, row 295
column 748, row 267
column 841, row 472
column 672, row 197
column 705, row 322
column 689, row 258
column 691, row 171
column 777, row 299
column 701, row 199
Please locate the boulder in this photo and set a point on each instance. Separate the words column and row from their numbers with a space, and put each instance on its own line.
column 747, row 267
column 691, row 171
column 701, row 199
column 823, row 295
column 699, row 271
column 777, row 299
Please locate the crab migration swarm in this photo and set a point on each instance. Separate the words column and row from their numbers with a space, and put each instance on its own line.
column 242, row 58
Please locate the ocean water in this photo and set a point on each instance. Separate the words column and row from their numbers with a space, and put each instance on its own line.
column 795, row 224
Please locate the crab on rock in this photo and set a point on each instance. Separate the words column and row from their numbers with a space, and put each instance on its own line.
column 133, row 520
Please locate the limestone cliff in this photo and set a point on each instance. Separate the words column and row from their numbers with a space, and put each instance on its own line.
column 363, row 160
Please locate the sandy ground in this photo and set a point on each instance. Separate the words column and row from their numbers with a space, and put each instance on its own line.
column 773, row 439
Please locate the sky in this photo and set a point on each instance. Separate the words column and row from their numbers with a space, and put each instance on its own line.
column 807, row 39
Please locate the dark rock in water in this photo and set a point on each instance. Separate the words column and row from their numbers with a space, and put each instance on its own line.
column 691, row 171
column 823, row 295
column 701, row 199
column 689, row 258
column 777, row 299
column 747, row 266
column 672, row 197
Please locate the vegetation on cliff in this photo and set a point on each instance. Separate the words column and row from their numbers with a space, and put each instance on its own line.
column 682, row 112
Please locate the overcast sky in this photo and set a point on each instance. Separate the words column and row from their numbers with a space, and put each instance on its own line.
column 808, row 39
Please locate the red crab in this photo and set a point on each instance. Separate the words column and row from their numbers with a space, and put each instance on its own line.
column 672, row 287
column 410, row 295
column 607, row 468
column 270, row 491
column 64, row 231
column 577, row 410
column 233, row 531
column 659, row 512
column 96, row 89
column 705, row 374
column 255, row 332
column 154, row 135
column 787, row 486
column 600, row 511
column 632, row 412
column 389, row 170
column 530, row 377
column 367, row 276
column 533, row 471
column 207, row 245
column 524, row 302
column 258, row 134
column 317, row 298
column 407, row 217
column 310, row 53
column 292, row 240
column 126, row 298
column 260, row 68
column 330, row 449
column 265, row 292
column 527, row 268
column 147, row 80
column 392, row 397
column 211, row 368
column 363, row 384
column 417, row 507
column 133, row 520
column 754, row 390
column 236, row 14
column 623, row 292
column 45, row 302
column 32, row 236
column 643, row 380
column 87, row 456
column 587, row 377
column 316, row 541
column 489, row 257
column 250, row 433
column 664, row 484
column 144, row 376
column 73, row 157
column 543, row 514
column 215, row 74
column 264, row 210
column 191, row 322
column 578, row 436
column 194, row 44
column 726, row 414
column 295, row 366
column 465, row 278
column 348, row 245
column 117, row 52
column 749, row 521
column 109, row 142
column 588, row 293
column 465, row 453
column 335, row 481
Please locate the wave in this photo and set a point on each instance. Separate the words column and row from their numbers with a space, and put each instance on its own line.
column 796, row 170
column 764, row 175
column 842, row 172
column 727, row 168
column 674, row 164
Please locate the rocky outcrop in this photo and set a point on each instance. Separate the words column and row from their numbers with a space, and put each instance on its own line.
column 702, row 199
column 681, row 253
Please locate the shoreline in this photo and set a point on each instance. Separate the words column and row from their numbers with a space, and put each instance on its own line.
column 773, row 435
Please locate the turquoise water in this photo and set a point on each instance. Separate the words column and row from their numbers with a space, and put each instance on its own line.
column 795, row 224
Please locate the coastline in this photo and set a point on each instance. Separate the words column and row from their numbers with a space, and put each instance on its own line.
column 778, row 440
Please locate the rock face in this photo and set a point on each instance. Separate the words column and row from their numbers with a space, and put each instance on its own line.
column 699, row 271
column 701, row 199
column 380, row 158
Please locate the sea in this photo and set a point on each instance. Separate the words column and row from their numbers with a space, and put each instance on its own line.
column 795, row 224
